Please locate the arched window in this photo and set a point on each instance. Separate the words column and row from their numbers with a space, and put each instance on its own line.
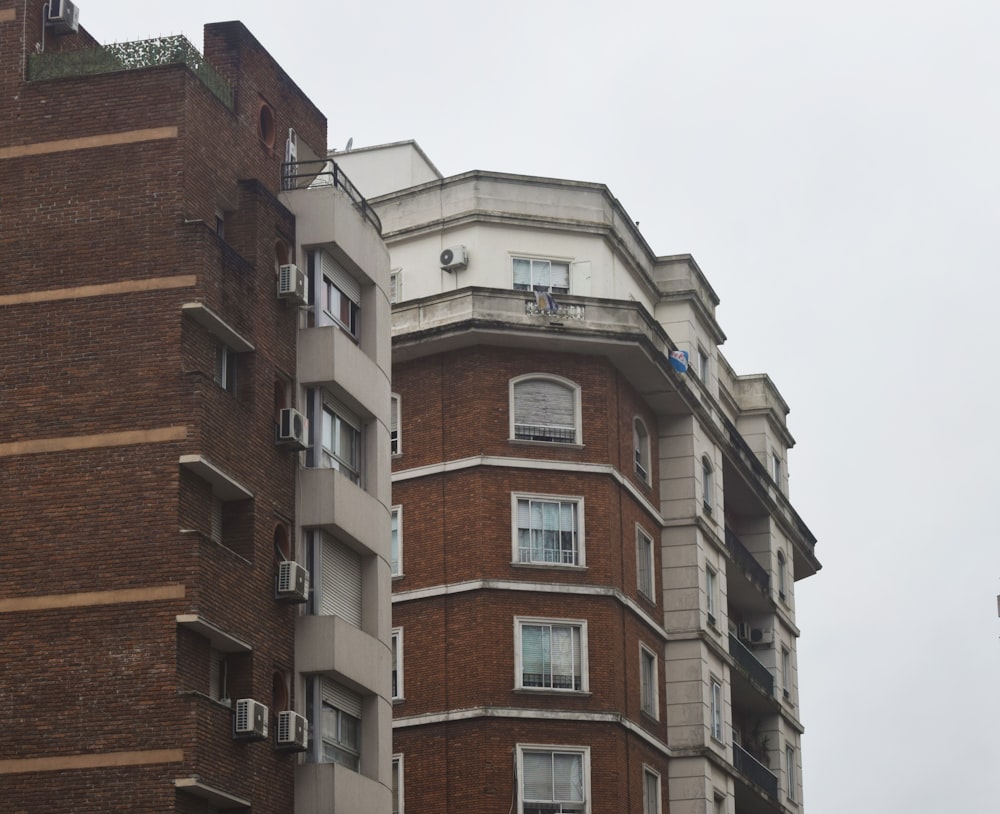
column 545, row 408
column 781, row 574
column 641, row 444
column 707, row 485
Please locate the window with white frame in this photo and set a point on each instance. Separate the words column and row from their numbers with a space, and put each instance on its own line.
column 710, row 589
column 397, row 663
column 396, row 549
column 554, row 779
column 702, row 365
column 397, row 784
column 341, row 441
column 544, row 408
column 551, row 654
column 647, row 682
column 226, row 366
column 776, row 467
column 541, row 275
column 716, row 709
column 641, row 445
column 339, row 293
column 707, row 485
column 651, row 795
column 549, row 530
column 395, row 448
column 790, row 770
column 786, row 672
column 645, row 564
column 336, row 721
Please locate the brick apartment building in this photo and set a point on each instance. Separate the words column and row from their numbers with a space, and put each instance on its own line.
column 195, row 400
column 594, row 552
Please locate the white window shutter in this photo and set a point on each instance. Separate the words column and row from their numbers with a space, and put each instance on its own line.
column 340, row 278
column 340, row 582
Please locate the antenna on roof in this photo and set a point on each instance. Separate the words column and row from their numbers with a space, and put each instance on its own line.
column 350, row 143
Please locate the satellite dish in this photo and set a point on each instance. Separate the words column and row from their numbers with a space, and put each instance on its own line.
column 350, row 143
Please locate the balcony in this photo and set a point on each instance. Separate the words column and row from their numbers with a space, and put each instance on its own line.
column 747, row 663
column 322, row 787
column 131, row 56
column 741, row 555
column 328, row 500
column 332, row 646
column 755, row 772
column 327, row 173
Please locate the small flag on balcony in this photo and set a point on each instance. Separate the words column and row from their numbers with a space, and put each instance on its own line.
column 545, row 302
column 679, row 360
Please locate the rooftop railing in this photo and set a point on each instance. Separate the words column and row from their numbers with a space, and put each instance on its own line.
column 753, row 569
column 754, row 670
column 325, row 173
column 130, row 56
column 755, row 771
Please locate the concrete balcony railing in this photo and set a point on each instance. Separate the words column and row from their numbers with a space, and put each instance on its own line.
column 747, row 663
column 333, row 646
column 328, row 500
column 323, row 787
column 755, row 771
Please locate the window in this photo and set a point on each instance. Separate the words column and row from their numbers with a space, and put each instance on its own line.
column 545, row 409
column 720, row 803
column 218, row 676
column 395, row 286
column 710, row 581
column 397, row 663
column 397, row 784
column 645, row 564
column 702, row 365
column 394, row 435
column 786, row 672
column 641, row 444
column 776, row 467
column 553, row 779
column 339, row 293
column 781, row 574
column 648, row 683
column 396, row 553
column 551, row 654
column 541, row 275
column 650, row 791
column 716, row 710
column 790, row 770
column 226, row 365
column 707, row 485
column 341, row 442
column 336, row 570
column 549, row 531
column 338, row 710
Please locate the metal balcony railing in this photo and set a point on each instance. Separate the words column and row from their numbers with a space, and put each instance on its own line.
column 747, row 661
column 324, row 173
column 753, row 569
column 755, row 771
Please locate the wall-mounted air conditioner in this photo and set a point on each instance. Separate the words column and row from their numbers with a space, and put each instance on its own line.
column 63, row 18
column 454, row 258
column 762, row 635
column 293, row 733
column 251, row 719
column 293, row 429
column 293, row 582
column 291, row 283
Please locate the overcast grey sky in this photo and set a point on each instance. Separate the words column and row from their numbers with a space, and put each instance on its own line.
column 835, row 171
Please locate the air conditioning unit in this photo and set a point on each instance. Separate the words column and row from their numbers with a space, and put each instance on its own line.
column 743, row 632
column 762, row 635
column 64, row 17
column 291, row 283
column 251, row 719
column 293, row 428
column 454, row 258
column 293, row 733
column 293, row 582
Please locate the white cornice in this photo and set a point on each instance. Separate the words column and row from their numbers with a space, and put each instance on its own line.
column 532, row 714
column 531, row 587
